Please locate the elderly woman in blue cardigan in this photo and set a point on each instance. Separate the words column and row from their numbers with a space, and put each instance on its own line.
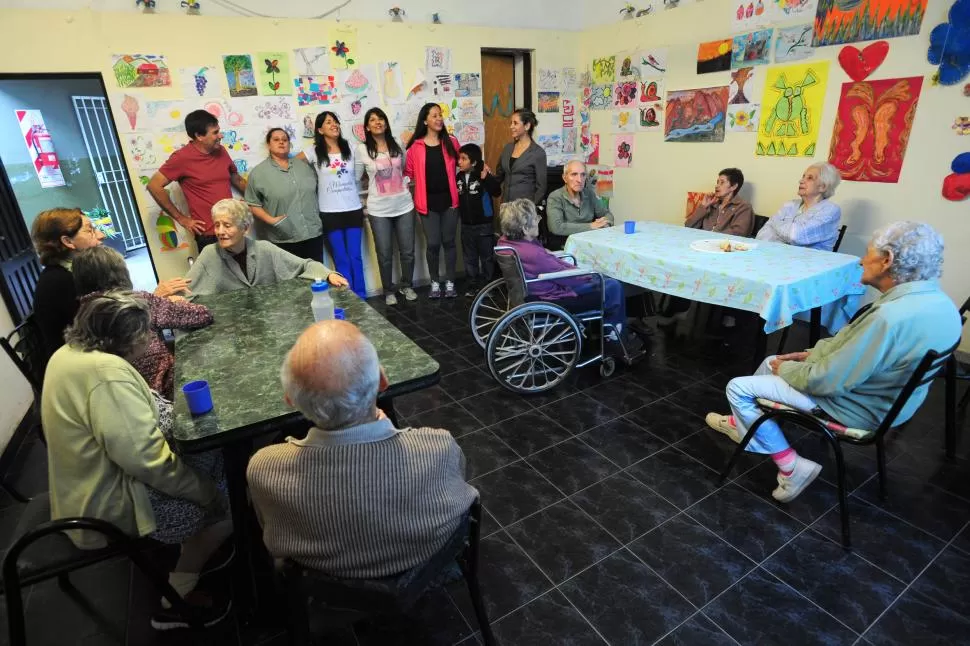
column 855, row 376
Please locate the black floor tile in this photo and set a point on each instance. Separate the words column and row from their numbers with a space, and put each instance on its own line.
column 675, row 476
column 947, row 581
column 579, row 412
column 457, row 337
column 496, row 406
column 762, row 610
column 621, row 395
column 813, row 503
column 860, row 462
column 549, row 619
column 924, row 505
column 450, row 362
column 748, row 523
column 692, row 559
column 431, row 345
column 466, row 383
column 892, row 544
column 701, row 399
column 839, row 581
column 962, row 541
column 441, row 322
column 572, row 465
column 931, row 465
column 442, row 623
column 624, row 506
column 715, row 450
column 563, row 390
column 484, row 453
column 697, row 631
column 625, row 601
column 662, row 381
column 667, row 421
column 623, row 442
column 915, row 620
column 562, row 540
column 530, row 432
column 421, row 401
column 451, row 417
column 515, row 491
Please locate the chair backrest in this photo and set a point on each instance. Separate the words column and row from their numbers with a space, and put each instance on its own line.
column 838, row 241
column 963, row 310
column 926, row 371
column 759, row 222
column 25, row 348
column 509, row 263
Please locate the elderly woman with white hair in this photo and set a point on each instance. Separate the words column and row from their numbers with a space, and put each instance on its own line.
column 854, row 377
column 813, row 219
column 238, row 262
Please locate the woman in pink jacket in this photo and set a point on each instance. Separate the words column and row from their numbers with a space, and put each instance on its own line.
column 431, row 161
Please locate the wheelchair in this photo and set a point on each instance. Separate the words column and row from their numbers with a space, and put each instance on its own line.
column 532, row 345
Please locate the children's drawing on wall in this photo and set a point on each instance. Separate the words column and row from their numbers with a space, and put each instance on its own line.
column 552, row 144
column 468, row 108
column 591, row 148
column 131, row 107
column 567, row 107
column 239, row 74
column 652, row 62
column 419, row 87
column 629, row 67
column 624, row 120
column 437, row 59
column 165, row 116
column 625, row 94
column 651, row 91
column 604, row 70
column 696, row 115
column 650, row 116
column 201, row 82
column 714, row 56
column 548, row 80
column 357, row 81
column 751, row 49
column 272, row 109
column 623, row 151
column 745, row 86
column 310, row 61
column 470, row 132
column 793, row 43
column 838, row 22
column 872, row 128
column 308, row 120
column 792, row 109
column 316, row 90
column 140, row 70
column 783, row 10
column 468, row 84
column 141, row 148
column 693, row 201
column 392, row 81
column 226, row 114
column 548, row 102
column 273, row 73
column 442, row 85
column 601, row 97
column 569, row 81
column 602, row 180
column 743, row 118
column 343, row 47
column 748, row 14
column 569, row 141
column 170, row 235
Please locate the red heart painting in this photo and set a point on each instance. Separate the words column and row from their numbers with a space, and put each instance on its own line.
column 859, row 65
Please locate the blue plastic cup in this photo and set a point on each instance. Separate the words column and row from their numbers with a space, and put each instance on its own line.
column 198, row 397
column 338, row 314
column 630, row 226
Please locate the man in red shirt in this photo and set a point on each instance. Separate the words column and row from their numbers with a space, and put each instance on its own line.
column 205, row 172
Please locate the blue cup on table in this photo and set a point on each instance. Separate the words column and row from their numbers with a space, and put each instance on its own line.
column 338, row 314
column 630, row 226
column 198, row 397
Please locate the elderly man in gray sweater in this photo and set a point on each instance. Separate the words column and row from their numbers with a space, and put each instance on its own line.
column 356, row 498
column 574, row 207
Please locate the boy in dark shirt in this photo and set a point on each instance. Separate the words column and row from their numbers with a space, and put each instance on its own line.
column 475, row 188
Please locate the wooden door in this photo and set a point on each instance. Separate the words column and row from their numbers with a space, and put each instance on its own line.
column 498, row 102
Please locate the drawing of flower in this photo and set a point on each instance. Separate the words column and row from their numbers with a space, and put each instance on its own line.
column 341, row 50
column 962, row 125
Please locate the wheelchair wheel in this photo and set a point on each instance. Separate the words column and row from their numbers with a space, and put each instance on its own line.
column 607, row 367
column 489, row 306
column 534, row 347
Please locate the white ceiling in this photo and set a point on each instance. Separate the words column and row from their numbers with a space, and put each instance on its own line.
column 571, row 15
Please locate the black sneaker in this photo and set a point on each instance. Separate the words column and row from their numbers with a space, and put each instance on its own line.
column 210, row 612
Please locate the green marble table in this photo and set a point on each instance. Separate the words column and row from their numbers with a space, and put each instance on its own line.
column 241, row 353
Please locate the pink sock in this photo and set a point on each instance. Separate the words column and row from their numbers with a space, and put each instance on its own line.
column 785, row 460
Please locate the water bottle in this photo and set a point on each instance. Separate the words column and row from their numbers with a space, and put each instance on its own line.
column 322, row 303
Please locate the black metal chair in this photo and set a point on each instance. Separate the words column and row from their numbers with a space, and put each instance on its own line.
column 347, row 601
column 835, row 433
column 759, row 222
column 42, row 551
column 955, row 371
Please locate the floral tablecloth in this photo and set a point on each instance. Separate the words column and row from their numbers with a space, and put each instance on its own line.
column 775, row 280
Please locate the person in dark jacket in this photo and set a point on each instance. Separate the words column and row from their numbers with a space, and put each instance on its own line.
column 522, row 166
column 475, row 190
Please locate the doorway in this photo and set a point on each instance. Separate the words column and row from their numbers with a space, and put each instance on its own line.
column 59, row 148
column 506, row 85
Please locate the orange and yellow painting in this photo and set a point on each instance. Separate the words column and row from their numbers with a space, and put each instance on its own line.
column 714, row 56
column 851, row 21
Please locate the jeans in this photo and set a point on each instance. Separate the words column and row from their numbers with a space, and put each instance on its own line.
column 588, row 298
column 347, row 256
column 477, row 245
column 440, row 230
column 385, row 229
column 203, row 241
column 311, row 249
column 742, row 393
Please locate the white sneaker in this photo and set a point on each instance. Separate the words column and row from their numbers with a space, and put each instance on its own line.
column 722, row 424
column 790, row 486
column 409, row 294
column 390, row 299
column 435, row 290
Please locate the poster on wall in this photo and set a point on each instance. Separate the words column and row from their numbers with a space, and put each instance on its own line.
column 751, row 49
column 838, row 22
column 622, row 121
column 343, row 47
column 604, row 70
column 696, row 115
column 140, row 70
column 625, row 94
column 623, row 151
column 743, row 92
column 794, row 44
column 785, row 10
column 273, row 73
column 201, row 81
column 714, row 56
column 437, row 59
column 40, row 146
column 392, row 81
column 792, row 110
column 310, row 61
column 468, row 84
column 240, row 75
column 872, row 128
column 747, row 15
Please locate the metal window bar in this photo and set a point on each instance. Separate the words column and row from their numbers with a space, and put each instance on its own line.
column 112, row 175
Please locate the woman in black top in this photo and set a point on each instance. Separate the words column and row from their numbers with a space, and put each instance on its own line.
column 522, row 166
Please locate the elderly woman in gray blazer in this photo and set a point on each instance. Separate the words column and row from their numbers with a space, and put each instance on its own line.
column 522, row 166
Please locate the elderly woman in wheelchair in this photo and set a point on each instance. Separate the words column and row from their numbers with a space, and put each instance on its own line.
column 533, row 321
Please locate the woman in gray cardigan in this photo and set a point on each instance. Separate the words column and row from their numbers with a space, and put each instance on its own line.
column 522, row 166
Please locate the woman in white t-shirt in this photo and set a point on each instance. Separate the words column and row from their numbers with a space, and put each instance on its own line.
column 340, row 208
column 390, row 208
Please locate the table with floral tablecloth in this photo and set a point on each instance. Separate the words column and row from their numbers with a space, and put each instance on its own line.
column 774, row 280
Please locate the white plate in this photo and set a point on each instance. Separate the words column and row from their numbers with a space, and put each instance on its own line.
column 714, row 246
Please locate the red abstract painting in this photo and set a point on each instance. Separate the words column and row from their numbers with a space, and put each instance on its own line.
column 872, row 128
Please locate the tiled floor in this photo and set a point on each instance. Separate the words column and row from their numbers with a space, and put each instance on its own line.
column 605, row 521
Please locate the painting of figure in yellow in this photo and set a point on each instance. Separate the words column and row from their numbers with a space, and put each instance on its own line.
column 792, row 109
